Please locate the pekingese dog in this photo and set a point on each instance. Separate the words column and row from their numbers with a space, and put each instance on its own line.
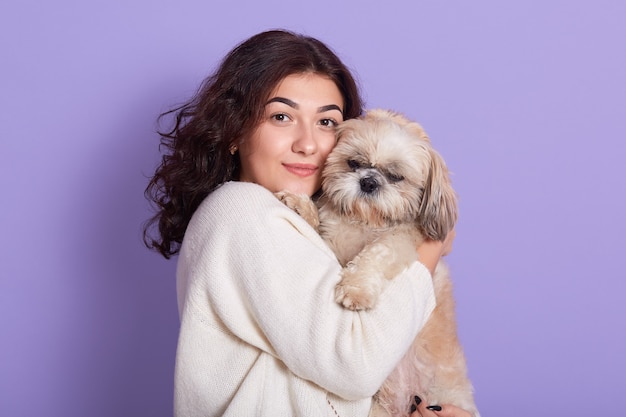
column 384, row 190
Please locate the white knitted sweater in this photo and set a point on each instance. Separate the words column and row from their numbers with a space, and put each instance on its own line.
column 260, row 332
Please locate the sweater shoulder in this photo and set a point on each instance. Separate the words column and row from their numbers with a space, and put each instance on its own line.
column 236, row 203
column 237, row 196
column 249, row 210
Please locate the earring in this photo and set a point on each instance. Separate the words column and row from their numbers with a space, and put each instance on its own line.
column 233, row 149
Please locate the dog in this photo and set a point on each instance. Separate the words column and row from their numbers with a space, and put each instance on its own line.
column 384, row 190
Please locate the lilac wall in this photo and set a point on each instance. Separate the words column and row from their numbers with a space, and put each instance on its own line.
column 525, row 100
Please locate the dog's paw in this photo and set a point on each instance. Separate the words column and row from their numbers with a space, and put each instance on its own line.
column 355, row 297
column 289, row 199
column 360, row 286
column 301, row 204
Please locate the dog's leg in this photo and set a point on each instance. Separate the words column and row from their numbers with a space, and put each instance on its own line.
column 301, row 204
column 363, row 277
column 434, row 368
column 378, row 410
column 441, row 353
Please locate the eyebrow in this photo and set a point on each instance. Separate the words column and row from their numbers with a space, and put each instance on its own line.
column 295, row 105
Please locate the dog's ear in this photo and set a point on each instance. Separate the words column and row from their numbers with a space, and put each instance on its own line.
column 417, row 130
column 438, row 210
column 345, row 127
column 412, row 127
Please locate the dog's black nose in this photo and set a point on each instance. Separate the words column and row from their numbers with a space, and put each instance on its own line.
column 368, row 184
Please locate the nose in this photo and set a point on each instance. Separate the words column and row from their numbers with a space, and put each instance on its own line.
column 305, row 141
column 368, row 185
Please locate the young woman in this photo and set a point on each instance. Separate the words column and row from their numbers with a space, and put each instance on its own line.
column 260, row 332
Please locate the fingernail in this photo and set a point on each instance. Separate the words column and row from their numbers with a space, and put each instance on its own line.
column 418, row 400
column 434, row 407
column 413, row 408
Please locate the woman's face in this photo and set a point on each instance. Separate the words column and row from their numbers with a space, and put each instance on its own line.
column 287, row 150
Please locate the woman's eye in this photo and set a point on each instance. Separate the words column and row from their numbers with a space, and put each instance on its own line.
column 328, row 122
column 280, row 117
column 354, row 165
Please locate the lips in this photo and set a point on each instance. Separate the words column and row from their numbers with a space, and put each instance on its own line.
column 301, row 170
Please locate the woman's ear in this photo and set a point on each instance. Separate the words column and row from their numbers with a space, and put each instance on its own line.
column 438, row 210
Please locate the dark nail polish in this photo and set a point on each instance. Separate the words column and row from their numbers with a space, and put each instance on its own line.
column 418, row 400
column 413, row 408
column 434, row 407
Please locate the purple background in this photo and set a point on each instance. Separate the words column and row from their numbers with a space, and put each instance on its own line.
column 525, row 100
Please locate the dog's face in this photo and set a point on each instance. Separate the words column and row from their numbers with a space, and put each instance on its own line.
column 384, row 171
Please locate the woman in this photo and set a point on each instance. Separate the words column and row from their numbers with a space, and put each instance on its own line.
column 260, row 333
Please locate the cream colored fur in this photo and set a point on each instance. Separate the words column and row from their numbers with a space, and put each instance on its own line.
column 385, row 189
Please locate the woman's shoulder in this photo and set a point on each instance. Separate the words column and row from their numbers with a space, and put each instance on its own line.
column 236, row 195
column 242, row 210
column 249, row 207
column 240, row 187
column 238, row 201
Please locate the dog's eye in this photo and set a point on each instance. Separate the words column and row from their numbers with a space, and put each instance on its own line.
column 394, row 177
column 354, row 165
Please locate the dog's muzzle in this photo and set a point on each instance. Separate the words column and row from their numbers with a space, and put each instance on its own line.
column 368, row 184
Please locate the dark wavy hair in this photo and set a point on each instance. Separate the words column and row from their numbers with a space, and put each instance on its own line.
column 226, row 109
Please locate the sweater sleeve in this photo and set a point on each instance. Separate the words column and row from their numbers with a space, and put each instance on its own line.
column 270, row 279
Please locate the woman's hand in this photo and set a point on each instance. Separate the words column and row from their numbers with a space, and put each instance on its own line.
column 431, row 251
column 424, row 410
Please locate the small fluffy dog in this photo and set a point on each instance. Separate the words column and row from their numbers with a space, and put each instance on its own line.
column 384, row 190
